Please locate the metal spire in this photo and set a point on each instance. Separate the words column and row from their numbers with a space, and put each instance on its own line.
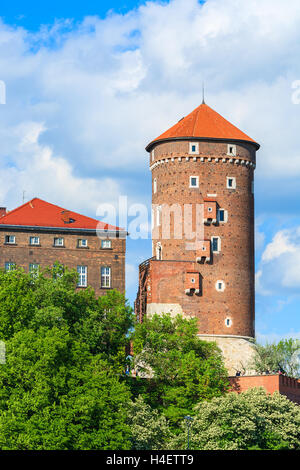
column 203, row 101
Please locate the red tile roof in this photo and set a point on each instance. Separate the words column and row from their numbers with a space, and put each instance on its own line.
column 203, row 123
column 39, row 213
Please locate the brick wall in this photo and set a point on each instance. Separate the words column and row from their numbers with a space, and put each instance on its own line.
column 70, row 255
column 172, row 167
column 285, row 385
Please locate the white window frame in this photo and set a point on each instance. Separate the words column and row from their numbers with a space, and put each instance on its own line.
column 105, row 276
column 34, row 240
column 82, row 245
column 158, row 216
column 56, row 243
column 233, row 182
column 219, row 244
column 82, row 271
column 196, row 151
column 233, row 153
column 225, row 216
column 155, row 186
column 218, row 288
column 197, row 181
column 34, row 269
column 107, row 243
column 9, row 266
column 158, row 251
column 10, row 239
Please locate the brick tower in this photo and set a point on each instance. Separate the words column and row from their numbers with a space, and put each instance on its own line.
column 203, row 231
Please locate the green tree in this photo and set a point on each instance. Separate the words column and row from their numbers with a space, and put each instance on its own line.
column 54, row 394
column 251, row 420
column 149, row 430
column 180, row 368
column 284, row 356
column 62, row 385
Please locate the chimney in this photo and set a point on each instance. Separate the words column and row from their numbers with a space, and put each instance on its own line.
column 2, row 211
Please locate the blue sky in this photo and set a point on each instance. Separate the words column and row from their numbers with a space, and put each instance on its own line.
column 89, row 84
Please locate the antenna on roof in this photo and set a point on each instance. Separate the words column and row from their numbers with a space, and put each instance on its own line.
column 203, row 101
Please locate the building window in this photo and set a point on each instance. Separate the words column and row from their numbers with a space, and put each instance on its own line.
column 194, row 148
column 222, row 215
column 194, row 181
column 231, row 182
column 158, row 216
column 155, row 185
column 152, row 155
column 9, row 266
column 105, row 277
column 11, row 239
column 231, row 150
column 82, row 271
column 158, row 251
column 106, row 244
column 220, row 286
column 34, row 269
column 216, row 244
column 228, row 322
column 82, row 243
column 58, row 242
column 34, row 240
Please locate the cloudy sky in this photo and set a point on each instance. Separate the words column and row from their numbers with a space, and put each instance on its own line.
column 89, row 85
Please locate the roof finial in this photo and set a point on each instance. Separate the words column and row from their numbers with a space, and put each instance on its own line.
column 203, row 101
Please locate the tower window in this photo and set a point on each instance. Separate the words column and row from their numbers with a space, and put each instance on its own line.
column 222, row 215
column 228, row 322
column 231, row 150
column 216, row 244
column 155, row 185
column 194, row 148
column 220, row 286
column 158, row 251
column 231, row 182
column 194, row 181
column 152, row 155
column 158, row 216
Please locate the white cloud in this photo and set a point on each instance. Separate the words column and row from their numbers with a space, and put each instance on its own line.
column 279, row 267
column 50, row 177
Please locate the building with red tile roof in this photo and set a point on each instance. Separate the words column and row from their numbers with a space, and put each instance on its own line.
column 39, row 234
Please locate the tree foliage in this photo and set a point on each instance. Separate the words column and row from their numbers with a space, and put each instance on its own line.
column 149, row 429
column 250, row 420
column 181, row 369
column 61, row 386
column 283, row 356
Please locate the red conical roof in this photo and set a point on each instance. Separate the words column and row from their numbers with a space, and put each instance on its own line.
column 203, row 123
